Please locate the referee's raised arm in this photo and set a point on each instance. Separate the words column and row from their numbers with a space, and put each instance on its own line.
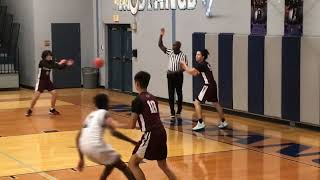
column 160, row 43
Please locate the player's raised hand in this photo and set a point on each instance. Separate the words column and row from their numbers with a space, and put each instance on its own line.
column 62, row 61
column 70, row 62
column 162, row 31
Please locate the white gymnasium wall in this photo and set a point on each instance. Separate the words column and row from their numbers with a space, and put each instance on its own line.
column 309, row 75
column 145, row 40
column 107, row 10
column 61, row 11
column 99, row 45
column 311, row 8
column 36, row 16
column 151, row 59
column 212, row 44
column 240, row 72
column 229, row 16
column 23, row 14
column 309, row 83
column 272, row 76
column 311, row 14
column 275, row 22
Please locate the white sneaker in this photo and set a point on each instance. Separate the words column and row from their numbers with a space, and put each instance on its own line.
column 204, row 2
column 208, row 13
column 199, row 126
column 223, row 125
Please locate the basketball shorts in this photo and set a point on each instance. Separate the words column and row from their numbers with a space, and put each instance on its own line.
column 102, row 154
column 153, row 145
column 208, row 93
column 44, row 85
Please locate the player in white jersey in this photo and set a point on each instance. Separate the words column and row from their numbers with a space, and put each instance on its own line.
column 90, row 141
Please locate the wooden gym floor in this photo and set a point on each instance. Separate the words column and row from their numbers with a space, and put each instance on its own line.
column 43, row 146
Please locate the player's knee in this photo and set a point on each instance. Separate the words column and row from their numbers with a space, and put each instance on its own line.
column 54, row 93
column 37, row 94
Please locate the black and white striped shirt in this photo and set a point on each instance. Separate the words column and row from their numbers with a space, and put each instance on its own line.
column 175, row 59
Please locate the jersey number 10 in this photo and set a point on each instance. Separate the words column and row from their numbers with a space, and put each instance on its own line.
column 153, row 107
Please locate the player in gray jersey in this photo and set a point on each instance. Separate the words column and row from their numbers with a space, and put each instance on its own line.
column 90, row 141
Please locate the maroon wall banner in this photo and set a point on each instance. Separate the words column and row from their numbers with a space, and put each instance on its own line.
column 259, row 17
column 293, row 20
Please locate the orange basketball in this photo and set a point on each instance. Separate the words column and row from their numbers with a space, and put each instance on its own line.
column 98, row 62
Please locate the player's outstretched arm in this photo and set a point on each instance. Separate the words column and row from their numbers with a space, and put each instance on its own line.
column 62, row 64
column 112, row 125
column 191, row 71
column 121, row 136
column 54, row 65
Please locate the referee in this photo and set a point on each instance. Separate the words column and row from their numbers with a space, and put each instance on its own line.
column 174, row 75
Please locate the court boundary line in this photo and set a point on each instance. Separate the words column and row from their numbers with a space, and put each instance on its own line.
column 49, row 177
column 27, row 166
column 246, row 147
column 96, row 165
column 240, row 146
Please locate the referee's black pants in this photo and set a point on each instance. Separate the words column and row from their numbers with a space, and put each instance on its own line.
column 175, row 82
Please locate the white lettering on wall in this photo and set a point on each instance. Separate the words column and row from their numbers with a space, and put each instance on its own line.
column 139, row 5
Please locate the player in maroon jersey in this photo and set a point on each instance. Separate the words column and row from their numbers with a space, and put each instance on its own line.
column 44, row 82
column 153, row 144
column 209, row 90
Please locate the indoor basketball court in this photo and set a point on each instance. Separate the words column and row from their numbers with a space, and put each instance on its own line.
column 234, row 84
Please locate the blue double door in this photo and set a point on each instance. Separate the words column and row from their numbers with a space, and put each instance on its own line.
column 119, row 38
